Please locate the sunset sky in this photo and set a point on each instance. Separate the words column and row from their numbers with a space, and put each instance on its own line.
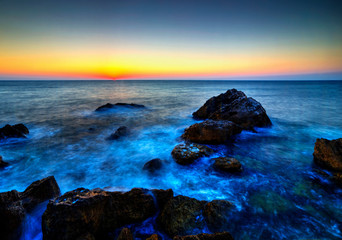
column 147, row 39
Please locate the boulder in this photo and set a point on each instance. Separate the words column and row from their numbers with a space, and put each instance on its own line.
column 110, row 106
column 181, row 216
column 226, row 164
column 211, row 132
column 3, row 163
column 119, row 133
column 206, row 236
column 216, row 214
column 125, row 234
column 162, row 196
column 328, row 154
column 153, row 165
column 234, row 106
column 14, row 131
column 187, row 153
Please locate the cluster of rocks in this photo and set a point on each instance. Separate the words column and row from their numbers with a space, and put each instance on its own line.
column 14, row 131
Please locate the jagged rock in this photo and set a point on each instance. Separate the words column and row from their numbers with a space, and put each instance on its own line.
column 236, row 107
column 119, row 133
column 14, row 131
column 211, row 132
column 95, row 211
column 181, row 216
column 153, row 165
column 187, row 153
column 125, row 234
column 328, row 154
column 226, row 164
column 216, row 214
column 110, row 106
column 3, row 163
column 206, row 236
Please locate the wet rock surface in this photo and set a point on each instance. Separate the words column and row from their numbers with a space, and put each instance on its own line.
column 206, row 236
column 216, row 214
column 3, row 163
column 328, row 154
column 14, row 131
column 226, row 164
column 211, row 132
column 153, row 165
column 234, row 106
column 122, row 131
column 108, row 106
column 187, row 153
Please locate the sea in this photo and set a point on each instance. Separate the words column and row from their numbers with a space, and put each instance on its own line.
column 280, row 194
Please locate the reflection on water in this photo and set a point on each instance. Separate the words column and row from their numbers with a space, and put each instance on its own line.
column 279, row 194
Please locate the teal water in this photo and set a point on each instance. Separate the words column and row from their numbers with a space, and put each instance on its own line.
column 278, row 195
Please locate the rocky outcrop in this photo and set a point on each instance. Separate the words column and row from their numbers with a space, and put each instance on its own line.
column 153, row 165
column 234, row 106
column 216, row 214
column 206, row 236
column 14, row 131
column 110, row 106
column 119, row 133
column 187, row 153
column 3, row 163
column 14, row 205
column 226, row 164
column 211, row 132
column 328, row 154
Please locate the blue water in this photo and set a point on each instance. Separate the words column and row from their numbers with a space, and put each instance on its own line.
column 278, row 194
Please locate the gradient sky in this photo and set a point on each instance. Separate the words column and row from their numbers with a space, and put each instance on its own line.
column 146, row 39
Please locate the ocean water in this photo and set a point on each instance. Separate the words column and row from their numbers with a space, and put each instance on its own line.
column 280, row 194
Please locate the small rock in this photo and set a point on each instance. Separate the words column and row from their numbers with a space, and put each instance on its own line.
column 3, row 163
column 110, row 106
column 125, row 234
column 153, row 165
column 119, row 133
column 226, row 164
column 14, row 131
column 328, row 154
column 187, row 153
column 206, row 236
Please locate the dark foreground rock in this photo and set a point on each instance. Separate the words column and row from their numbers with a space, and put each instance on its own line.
column 3, row 163
column 328, row 154
column 153, row 165
column 187, row 153
column 211, row 132
column 110, row 106
column 216, row 214
column 206, row 236
column 125, row 234
column 14, row 131
column 119, row 133
column 14, row 205
column 234, row 106
column 226, row 164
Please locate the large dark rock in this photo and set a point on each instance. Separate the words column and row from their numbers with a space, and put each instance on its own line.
column 119, row 133
column 153, row 165
column 234, row 106
column 110, row 106
column 226, row 164
column 3, row 163
column 328, row 154
column 162, row 196
column 216, row 214
column 206, row 236
column 182, row 216
column 14, row 131
column 125, row 234
column 95, row 211
column 187, row 153
column 211, row 132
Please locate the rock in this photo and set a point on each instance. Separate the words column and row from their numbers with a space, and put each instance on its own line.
column 162, row 196
column 125, row 234
column 3, row 163
column 110, row 106
column 95, row 211
column 187, row 153
column 14, row 131
column 86, row 236
column 119, row 133
column 236, row 107
column 226, row 164
column 153, row 165
column 206, row 236
column 181, row 216
column 328, row 154
column 337, row 178
column 216, row 214
column 211, row 132
column 153, row 237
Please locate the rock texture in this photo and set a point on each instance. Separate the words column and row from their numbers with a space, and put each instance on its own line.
column 14, row 131
column 3, row 163
column 119, row 133
column 328, row 154
column 153, row 165
column 187, row 153
column 110, row 106
column 125, row 234
column 211, row 132
column 234, row 106
column 206, row 236
column 226, row 164
column 216, row 214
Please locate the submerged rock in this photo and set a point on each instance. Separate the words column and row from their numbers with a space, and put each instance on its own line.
column 14, row 131
column 119, row 133
column 187, row 153
column 328, row 154
column 226, row 164
column 216, row 214
column 211, row 132
column 110, row 106
column 153, row 165
column 3, row 163
column 234, row 106
column 125, row 234
column 206, row 236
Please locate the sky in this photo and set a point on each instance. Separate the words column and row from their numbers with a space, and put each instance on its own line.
column 188, row 39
